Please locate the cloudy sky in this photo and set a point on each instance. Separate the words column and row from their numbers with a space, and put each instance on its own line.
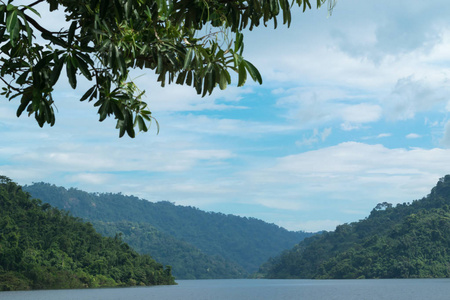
column 353, row 111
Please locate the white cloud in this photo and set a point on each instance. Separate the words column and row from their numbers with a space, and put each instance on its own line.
column 315, row 137
column 400, row 67
column 379, row 136
column 352, row 175
column 346, row 126
column 389, row 28
column 351, row 157
column 325, row 133
column 230, row 127
column 411, row 96
column 91, row 178
column 413, row 136
column 361, row 113
column 307, row 141
column 317, row 107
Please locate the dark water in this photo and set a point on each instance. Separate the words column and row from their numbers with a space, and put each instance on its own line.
column 254, row 289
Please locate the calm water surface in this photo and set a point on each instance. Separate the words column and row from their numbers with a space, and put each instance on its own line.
column 258, row 289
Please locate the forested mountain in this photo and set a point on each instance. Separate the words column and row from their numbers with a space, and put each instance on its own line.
column 405, row 241
column 195, row 243
column 187, row 261
column 42, row 247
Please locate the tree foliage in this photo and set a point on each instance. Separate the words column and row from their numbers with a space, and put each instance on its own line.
column 192, row 42
column 405, row 241
column 186, row 260
column 42, row 247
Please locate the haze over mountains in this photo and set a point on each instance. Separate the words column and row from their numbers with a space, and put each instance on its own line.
column 410, row 240
column 195, row 243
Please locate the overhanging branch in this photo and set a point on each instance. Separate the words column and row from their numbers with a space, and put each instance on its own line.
column 33, row 4
column 37, row 25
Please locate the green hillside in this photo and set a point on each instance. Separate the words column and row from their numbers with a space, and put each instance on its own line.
column 187, row 261
column 42, row 247
column 405, row 241
column 234, row 246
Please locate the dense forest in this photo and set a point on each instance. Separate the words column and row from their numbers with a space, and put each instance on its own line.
column 410, row 240
column 195, row 243
column 187, row 261
column 42, row 247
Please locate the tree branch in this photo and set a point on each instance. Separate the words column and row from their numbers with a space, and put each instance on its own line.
column 37, row 25
column 9, row 85
column 33, row 4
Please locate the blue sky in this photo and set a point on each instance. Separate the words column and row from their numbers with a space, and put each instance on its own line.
column 353, row 111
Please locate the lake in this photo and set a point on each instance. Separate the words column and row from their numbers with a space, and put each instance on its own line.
column 260, row 289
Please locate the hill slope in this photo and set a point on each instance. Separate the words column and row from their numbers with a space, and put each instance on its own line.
column 44, row 248
column 187, row 261
column 243, row 243
column 406, row 241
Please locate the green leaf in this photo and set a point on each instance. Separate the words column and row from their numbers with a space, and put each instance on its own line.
column 127, row 7
column 160, row 67
column 23, row 77
column 103, row 110
column 117, row 109
column 12, row 25
column 43, row 62
column 32, row 9
column 57, row 41
column 141, row 124
column 181, row 77
column 72, row 28
column 253, row 71
column 223, row 82
column 129, row 124
column 27, row 96
column 83, row 66
column 242, row 75
column 71, row 72
column 88, row 93
column 121, row 126
column 57, row 70
column 188, row 58
column 189, row 78
column 239, row 42
column 121, row 62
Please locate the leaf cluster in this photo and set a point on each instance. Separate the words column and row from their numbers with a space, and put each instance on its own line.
column 192, row 42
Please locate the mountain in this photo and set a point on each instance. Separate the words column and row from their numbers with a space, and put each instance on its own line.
column 410, row 240
column 197, row 244
column 187, row 261
column 42, row 247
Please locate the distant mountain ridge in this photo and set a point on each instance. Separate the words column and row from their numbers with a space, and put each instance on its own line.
column 405, row 241
column 195, row 243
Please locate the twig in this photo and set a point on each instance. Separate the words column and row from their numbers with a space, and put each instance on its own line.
column 9, row 85
column 32, row 4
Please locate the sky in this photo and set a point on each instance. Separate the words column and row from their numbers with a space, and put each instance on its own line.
column 353, row 111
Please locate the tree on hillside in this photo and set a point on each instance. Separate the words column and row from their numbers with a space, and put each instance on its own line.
column 193, row 42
